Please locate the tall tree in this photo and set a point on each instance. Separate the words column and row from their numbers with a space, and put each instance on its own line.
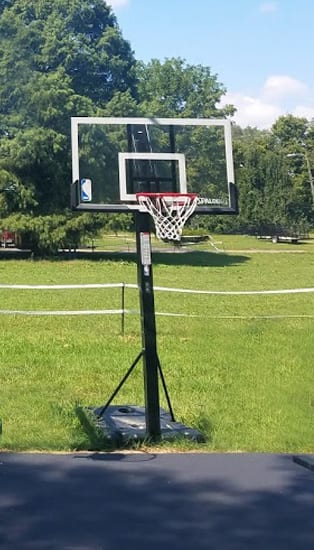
column 294, row 138
column 175, row 88
column 272, row 193
column 58, row 58
column 289, row 130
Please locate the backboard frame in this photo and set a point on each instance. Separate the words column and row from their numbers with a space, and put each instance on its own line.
column 203, row 207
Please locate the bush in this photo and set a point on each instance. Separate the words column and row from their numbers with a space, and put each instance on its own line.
column 45, row 235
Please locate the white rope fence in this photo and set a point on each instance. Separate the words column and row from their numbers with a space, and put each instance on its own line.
column 160, row 288
column 64, row 312
column 122, row 311
column 67, row 287
column 236, row 292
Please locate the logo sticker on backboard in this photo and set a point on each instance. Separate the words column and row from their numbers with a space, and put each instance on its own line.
column 86, row 190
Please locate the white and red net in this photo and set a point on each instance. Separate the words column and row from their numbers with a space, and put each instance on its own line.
column 169, row 211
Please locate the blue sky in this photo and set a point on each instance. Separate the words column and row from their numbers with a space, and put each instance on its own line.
column 262, row 51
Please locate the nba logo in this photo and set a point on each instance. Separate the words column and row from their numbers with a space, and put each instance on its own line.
column 86, row 190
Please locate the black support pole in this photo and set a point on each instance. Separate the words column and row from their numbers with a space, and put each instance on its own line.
column 123, row 424
column 148, row 324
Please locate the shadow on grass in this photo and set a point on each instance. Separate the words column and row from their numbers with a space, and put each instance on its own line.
column 171, row 257
column 195, row 258
column 14, row 254
column 199, row 258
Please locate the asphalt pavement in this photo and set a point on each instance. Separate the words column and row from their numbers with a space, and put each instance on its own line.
column 115, row 501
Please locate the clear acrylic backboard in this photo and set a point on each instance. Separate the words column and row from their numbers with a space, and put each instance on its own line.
column 113, row 159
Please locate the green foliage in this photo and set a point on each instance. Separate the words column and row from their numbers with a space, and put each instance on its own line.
column 13, row 195
column 119, row 223
column 174, row 88
column 80, row 36
column 289, row 130
column 274, row 189
column 58, row 59
column 45, row 235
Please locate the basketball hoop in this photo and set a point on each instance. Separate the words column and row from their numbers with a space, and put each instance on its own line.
column 169, row 211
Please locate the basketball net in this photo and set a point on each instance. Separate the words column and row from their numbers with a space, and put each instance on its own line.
column 169, row 211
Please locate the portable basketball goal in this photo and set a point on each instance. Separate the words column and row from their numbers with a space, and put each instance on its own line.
column 152, row 184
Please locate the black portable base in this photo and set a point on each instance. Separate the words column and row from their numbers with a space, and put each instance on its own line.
column 124, row 424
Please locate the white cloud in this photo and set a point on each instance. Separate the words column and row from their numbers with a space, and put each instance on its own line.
column 279, row 95
column 268, row 7
column 253, row 111
column 283, row 86
column 117, row 3
column 306, row 111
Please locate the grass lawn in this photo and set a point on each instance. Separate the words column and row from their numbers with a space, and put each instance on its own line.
column 240, row 369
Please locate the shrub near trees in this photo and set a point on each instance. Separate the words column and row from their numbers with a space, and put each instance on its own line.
column 63, row 58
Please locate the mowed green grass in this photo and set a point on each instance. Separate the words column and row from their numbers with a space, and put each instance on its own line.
column 240, row 368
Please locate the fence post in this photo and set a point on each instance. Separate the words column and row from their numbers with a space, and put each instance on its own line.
column 122, row 308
